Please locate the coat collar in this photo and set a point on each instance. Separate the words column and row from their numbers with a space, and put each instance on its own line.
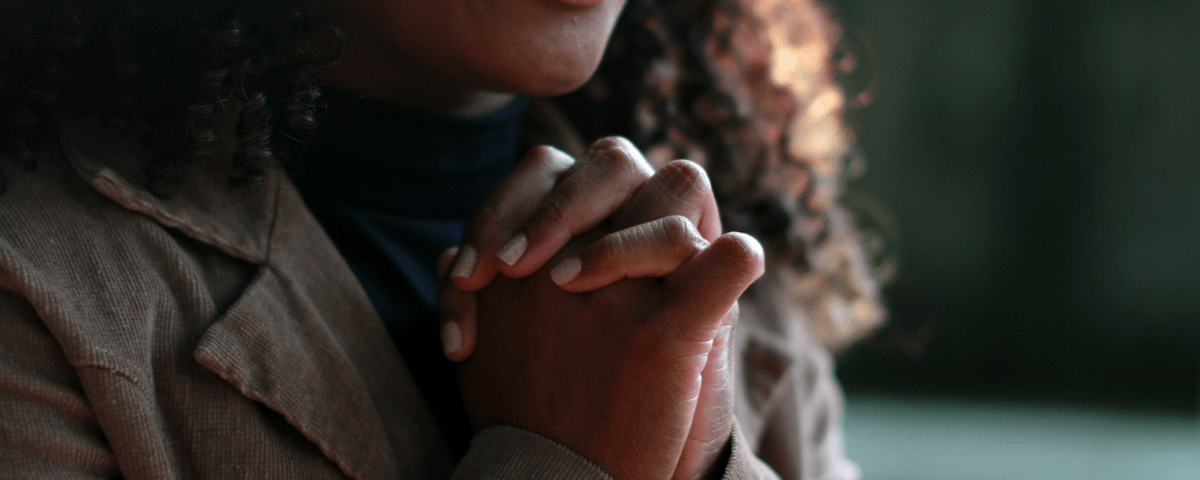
column 236, row 220
column 275, row 344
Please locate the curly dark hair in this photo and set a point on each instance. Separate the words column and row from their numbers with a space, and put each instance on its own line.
column 682, row 78
column 747, row 89
column 171, row 65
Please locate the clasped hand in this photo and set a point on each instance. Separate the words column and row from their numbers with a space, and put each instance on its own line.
column 609, row 330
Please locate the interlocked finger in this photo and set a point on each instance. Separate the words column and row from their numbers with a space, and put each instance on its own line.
column 651, row 249
column 680, row 187
column 505, row 209
column 592, row 193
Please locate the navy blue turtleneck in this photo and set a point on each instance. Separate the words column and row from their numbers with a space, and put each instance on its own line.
column 393, row 188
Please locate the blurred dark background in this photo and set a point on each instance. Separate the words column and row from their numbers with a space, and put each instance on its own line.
column 1042, row 162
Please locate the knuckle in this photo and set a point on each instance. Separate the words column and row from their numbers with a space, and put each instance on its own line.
column 615, row 244
column 686, row 178
column 486, row 215
column 538, row 153
column 682, row 237
column 678, row 230
column 620, row 153
column 744, row 253
column 616, row 157
column 547, row 157
column 553, row 209
column 610, row 142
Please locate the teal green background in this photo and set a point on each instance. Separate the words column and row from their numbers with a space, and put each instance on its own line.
column 1041, row 163
column 893, row 438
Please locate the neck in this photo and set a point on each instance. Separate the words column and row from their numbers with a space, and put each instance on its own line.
column 368, row 152
column 390, row 76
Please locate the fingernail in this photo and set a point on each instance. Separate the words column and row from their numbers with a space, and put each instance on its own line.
column 513, row 250
column 466, row 262
column 566, row 271
column 451, row 337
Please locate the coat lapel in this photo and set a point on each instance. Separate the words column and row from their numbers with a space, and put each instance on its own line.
column 303, row 338
column 276, row 349
column 204, row 206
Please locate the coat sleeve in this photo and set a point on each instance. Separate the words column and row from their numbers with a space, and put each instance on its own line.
column 509, row 452
column 47, row 426
column 801, row 435
column 743, row 464
column 789, row 402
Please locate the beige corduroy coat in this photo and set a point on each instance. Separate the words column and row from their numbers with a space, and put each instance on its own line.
column 217, row 333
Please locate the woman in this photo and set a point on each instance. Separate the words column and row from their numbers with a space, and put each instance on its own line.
column 172, row 309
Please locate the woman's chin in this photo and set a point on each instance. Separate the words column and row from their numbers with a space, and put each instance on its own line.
column 551, row 79
column 560, row 85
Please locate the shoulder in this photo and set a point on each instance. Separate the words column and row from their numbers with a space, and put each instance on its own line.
column 104, row 263
column 51, row 219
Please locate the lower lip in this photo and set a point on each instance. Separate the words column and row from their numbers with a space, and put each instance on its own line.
column 580, row 3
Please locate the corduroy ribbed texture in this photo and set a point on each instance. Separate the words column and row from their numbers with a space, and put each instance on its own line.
column 509, row 452
column 132, row 348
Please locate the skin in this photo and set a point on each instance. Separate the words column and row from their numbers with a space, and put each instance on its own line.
column 594, row 351
column 622, row 367
column 623, row 225
column 467, row 57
